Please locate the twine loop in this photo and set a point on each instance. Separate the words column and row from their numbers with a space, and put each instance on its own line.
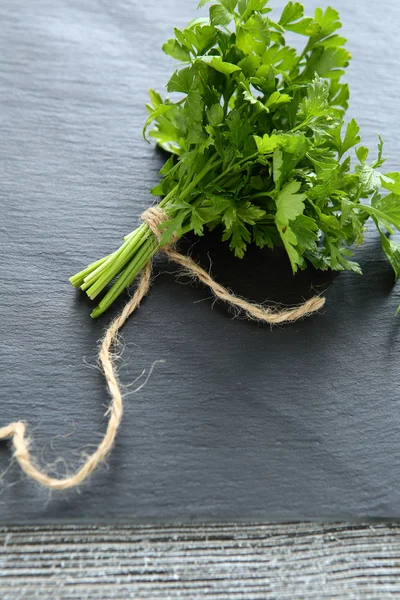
column 153, row 217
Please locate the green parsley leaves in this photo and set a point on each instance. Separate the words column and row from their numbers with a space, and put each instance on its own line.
column 274, row 120
column 260, row 145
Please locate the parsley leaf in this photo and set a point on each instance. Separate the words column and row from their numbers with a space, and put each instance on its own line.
column 289, row 204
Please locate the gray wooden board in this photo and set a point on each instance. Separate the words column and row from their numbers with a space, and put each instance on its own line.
column 192, row 562
column 238, row 422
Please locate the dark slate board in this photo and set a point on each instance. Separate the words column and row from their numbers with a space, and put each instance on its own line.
column 239, row 422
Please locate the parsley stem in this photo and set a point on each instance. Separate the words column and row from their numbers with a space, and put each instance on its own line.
column 79, row 278
column 168, row 197
column 123, row 255
column 232, row 166
column 298, row 127
column 209, row 166
column 374, row 212
column 89, row 279
column 127, row 276
column 260, row 195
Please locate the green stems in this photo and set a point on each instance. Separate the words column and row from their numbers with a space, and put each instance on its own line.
column 129, row 274
column 298, row 127
column 121, row 267
column 97, row 281
column 78, row 279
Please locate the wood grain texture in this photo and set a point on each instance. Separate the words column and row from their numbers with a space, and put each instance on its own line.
column 239, row 422
column 224, row 562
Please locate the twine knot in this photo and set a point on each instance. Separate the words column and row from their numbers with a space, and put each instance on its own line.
column 153, row 217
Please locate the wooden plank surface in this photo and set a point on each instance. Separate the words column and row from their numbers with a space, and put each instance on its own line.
column 224, row 562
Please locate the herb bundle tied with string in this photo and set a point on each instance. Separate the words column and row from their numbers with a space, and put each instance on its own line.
column 259, row 147
column 261, row 151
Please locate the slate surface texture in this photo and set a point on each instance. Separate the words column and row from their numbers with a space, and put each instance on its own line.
column 239, row 421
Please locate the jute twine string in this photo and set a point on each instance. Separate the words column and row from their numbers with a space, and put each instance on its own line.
column 154, row 217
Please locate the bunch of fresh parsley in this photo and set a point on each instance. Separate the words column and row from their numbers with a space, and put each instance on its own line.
column 259, row 147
